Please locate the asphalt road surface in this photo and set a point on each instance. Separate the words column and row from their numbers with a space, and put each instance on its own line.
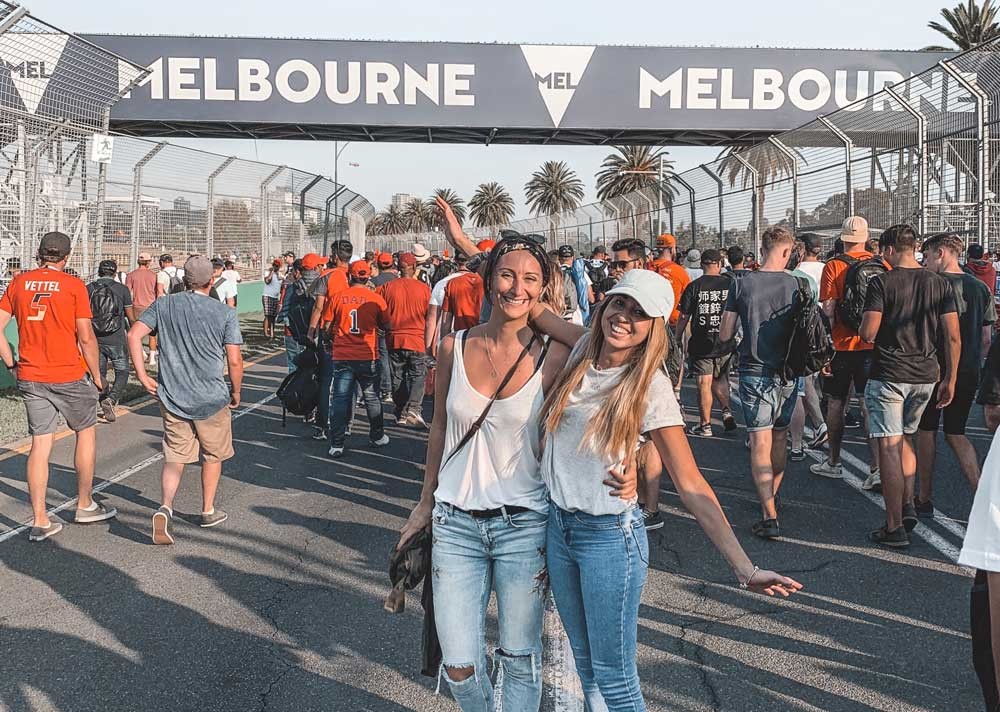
column 280, row 608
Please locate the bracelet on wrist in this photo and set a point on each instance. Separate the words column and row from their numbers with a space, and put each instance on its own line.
column 746, row 584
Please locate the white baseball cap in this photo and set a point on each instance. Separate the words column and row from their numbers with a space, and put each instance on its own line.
column 420, row 252
column 652, row 292
column 854, row 229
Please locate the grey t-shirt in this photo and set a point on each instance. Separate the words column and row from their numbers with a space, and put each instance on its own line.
column 193, row 331
column 766, row 303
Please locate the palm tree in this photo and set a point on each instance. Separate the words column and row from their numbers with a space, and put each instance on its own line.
column 635, row 168
column 554, row 188
column 391, row 221
column 451, row 197
column 374, row 226
column 491, row 205
column 418, row 215
column 969, row 25
column 772, row 165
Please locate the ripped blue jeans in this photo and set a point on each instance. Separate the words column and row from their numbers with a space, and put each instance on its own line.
column 470, row 558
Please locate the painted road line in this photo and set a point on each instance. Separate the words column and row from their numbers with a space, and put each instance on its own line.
column 124, row 474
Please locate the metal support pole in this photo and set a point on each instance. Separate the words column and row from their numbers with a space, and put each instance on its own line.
column 794, row 158
column 210, row 208
column 326, row 211
column 983, row 136
column 133, row 249
column 848, row 150
column 635, row 231
column 754, row 218
column 343, row 216
column 13, row 18
column 694, row 219
column 718, row 182
column 102, row 190
column 265, row 218
column 922, row 157
column 302, row 209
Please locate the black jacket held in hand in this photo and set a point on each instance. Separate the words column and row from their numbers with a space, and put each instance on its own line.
column 409, row 566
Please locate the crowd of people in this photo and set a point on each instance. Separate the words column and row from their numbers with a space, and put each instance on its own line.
column 556, row 382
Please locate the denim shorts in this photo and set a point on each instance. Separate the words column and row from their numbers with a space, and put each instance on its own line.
column 768, row 402
column 895, row 408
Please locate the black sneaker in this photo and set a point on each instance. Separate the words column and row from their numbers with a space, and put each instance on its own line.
column 766, row 529
column 728, row 421
column 896, row 539
column 852, row 421
column 797, row 455
column 924, row 509
column 652, row 520
column 910, row 520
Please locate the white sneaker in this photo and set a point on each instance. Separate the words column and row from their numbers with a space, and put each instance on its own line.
column 827, row 469
column 416, row 420
column 335, row 452
column 381, row 442
column 152, row 358
column 873, row 481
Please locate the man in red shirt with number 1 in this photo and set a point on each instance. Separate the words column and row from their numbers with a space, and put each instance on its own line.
column 57, row 349
column 356, row 313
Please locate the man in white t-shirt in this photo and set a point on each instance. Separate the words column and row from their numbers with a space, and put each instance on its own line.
column 169, row 278
column 230, row 273
column 692, row 264
column 225, row 288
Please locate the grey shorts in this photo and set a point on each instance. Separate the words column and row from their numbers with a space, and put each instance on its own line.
column 76, row 401
column 895, row 408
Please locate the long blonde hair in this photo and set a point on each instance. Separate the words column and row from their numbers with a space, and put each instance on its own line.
column 554, row 295
column 614, row 429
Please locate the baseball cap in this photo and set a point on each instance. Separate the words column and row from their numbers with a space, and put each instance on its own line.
column 384, row 259
column 217, row 263
column 565, row 251
column 312, row 261
column 711, row 257
column 289, row 253
column 107, row 266
column 693, row 258
column 486, row 245
column 54, row 244
column 360, row 269
column 408, row 259
column 812, row 241
column 198, row 270
column 666, row 240
column 145, row 257
column 854, row 230
column 166, row 257
column 652, row 292
column 599, row 250
column 421, row 253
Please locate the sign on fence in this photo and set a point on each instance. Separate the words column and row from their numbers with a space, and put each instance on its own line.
column 101, row 148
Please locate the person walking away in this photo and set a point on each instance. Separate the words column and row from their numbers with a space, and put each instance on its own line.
column 357, row 313
column 709, row 359
column 843, row 287
column 57, row 351
column 765, row 303
column 463, row 301
column 407, row 300
column 170, row 279
column 908, row 312
column 225, row 289
column 294, row 310
column 435, row 317
column 806, row 396
column 613, row 393
column 981, row 268
column 270, row 297
column 976, row 316
column 666, row 266
column 692, row 264
column 575, row 309
column 425, row 270
column 387, row 269
column 232, row 274
column 199, row 338
column 113, row 311
column 142, row 283
column 386, row 273
column 482, row 488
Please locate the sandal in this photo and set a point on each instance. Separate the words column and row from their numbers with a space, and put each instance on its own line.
column 766, row 529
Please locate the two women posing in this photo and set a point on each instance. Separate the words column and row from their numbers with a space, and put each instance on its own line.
column 530, row 482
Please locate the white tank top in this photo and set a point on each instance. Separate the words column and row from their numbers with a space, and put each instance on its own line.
column 499, row 465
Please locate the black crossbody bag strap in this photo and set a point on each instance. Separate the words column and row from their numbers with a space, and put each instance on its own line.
column 503, row 384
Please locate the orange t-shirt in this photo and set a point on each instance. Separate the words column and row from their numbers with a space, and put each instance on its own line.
column 336, row 282
column 46, row 304
column 831, row 286
column 406, row 301
column 357, row 311
column 679, row 279
column 463, row 299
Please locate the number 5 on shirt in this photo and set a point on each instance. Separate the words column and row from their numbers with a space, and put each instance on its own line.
column 38, row 307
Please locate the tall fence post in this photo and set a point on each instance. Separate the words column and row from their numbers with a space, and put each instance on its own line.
column 922, row 158
column 133, row 248
column 694, row 211
column 718, row 183
column 793, row 157
column 326, row 211
column 635, row 231
column 848, row 154
column 754, row 202
column 102, row 192
column 265, row 217
column 983, row 149
column 210, row 208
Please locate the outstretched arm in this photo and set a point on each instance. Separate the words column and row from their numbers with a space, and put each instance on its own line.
column 453, row 231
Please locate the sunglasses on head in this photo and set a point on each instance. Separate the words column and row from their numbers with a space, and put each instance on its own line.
column 533, row 238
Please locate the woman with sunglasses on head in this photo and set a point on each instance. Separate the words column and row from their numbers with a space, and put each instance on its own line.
column 482, row 490
column 613, row 393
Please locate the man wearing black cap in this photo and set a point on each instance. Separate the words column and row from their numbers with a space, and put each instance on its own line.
column 52, row 311
column 574, row 311
column 111, row 305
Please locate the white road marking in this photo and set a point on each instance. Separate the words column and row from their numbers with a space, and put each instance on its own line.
column 124, row 474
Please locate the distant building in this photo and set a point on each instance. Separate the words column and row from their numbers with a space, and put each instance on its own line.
column 399, row 200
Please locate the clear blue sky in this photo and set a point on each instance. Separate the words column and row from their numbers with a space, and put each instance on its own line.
column 386, row 168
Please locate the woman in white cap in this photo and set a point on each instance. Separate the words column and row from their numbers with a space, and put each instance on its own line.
column 613, row 394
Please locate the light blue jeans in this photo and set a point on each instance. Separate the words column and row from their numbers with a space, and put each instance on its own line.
column 597, row 567
column 471, row 557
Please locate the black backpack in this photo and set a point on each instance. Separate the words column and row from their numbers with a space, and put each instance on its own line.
column 107, row 314
column 299, row 391
column 859, row 275
column 597, row 274
column 811, row 347
column 176, row 284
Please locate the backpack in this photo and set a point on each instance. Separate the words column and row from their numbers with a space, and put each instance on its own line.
column 571, row 303
column 299, row 391
column 298, row 312
column 107, row 313
column 851, row 308
column 597, row 271
column 176, row 285
column 811, row 346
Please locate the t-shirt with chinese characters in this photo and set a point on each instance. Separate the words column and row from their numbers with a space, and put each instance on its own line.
column 46, row 303
column 463, row 299
column 356, row 313
column 912, row 301
column 704, row 301
column 406, row 301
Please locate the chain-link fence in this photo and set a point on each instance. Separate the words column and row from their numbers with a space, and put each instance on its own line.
column 141, row 196
column 919, row 151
